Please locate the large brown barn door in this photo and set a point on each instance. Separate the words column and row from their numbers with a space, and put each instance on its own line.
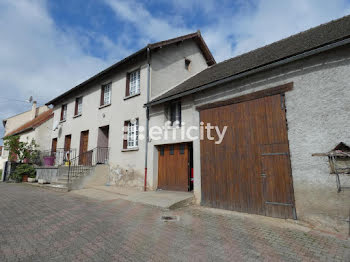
column 250, row 170
column 173, row 167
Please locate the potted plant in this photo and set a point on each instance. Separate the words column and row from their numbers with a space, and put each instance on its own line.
column 32, row 177
column 23, row 172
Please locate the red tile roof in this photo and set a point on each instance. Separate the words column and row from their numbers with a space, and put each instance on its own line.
column 32, row 124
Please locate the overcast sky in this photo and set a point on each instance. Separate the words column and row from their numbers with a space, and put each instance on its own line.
column 48, row 47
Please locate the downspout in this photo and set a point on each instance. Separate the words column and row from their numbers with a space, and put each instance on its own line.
column 147, row 114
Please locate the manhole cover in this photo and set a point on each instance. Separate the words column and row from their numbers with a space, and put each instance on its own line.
column 169, row 218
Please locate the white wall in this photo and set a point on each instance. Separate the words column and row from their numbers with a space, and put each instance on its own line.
column 168, row 66
column 318, row 119
column 127, row 167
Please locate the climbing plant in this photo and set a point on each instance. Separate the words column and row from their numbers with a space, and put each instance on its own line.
column 19, row 150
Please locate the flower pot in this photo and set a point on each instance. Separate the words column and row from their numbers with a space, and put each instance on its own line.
column 49, row 160
column 25, row 178
column 31, row 180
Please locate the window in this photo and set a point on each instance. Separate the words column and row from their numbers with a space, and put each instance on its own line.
column 133, row 83
column 171, row 149
column 131, row 134
column 78, row 106
column 182, row 149
column 174, row 113
column 187, row 63
column 162, row 150
column 63, row 112
column 106, row 94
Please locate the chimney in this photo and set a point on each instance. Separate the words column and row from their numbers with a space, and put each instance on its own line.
column 33, row 113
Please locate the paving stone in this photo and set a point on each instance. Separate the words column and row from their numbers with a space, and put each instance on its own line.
column 41, row 225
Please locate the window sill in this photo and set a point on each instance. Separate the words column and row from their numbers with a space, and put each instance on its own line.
column 62, row 121
column 131, row 96
column 76, row 116
column 130, row 149
column 103, row 106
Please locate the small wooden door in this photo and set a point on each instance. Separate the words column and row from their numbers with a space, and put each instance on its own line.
column 54, row 145
column 173, row 167
column 67, row 143
column 277, row 178
column 84, row 142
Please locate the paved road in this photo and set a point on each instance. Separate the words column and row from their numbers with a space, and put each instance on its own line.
column 40, row 225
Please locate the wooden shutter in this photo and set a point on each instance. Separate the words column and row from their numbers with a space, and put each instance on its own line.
column 102, row 96
column 127, row 87
column 125, row 135
column 62, row 108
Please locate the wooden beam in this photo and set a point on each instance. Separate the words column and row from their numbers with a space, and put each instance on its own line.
column 255, row 95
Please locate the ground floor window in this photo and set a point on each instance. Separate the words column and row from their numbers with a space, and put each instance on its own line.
column 133, row 133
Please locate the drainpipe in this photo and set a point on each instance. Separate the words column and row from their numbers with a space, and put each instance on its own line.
column 147, row 114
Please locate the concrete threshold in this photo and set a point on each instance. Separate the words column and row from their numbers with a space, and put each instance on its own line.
column 162, row 199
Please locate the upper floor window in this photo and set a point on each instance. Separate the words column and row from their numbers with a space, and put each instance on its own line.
column 106, row 94
column 78, row 106
column 133, row 83
column 63, row 112
column 187, row 64
column 131, row 140
column 174, row 113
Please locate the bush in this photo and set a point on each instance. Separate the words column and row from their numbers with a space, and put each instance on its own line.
column 21, row 170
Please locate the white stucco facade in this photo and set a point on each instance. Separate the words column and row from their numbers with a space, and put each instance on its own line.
column 167, row 68
column 318, row 119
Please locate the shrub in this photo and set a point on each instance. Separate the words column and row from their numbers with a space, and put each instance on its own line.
column 21, row 170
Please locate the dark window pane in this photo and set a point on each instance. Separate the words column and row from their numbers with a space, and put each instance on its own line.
column 162, row 150
column 171, row 149
column 182, row 149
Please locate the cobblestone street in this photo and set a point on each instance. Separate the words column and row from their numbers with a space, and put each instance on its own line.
column 41, row 225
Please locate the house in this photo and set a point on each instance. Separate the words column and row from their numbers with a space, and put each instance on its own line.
column 105, row 114
column 37, row 129
column 13, row 122
column 280, row 104
column 32, row 124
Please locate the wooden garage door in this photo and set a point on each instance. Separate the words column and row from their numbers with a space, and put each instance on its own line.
column 250, row 170
column 173, row 167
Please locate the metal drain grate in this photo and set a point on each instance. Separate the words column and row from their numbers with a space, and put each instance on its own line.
column 169, row 218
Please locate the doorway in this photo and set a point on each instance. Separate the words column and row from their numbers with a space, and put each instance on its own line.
column 102, row 152
column 174, row 167
column 84, row 158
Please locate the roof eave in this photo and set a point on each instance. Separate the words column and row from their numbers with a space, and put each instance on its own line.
column 282, row 61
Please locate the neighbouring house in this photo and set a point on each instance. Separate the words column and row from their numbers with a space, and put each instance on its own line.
column 281, row 104
column 105, row 115
column 26, row 125
column 37, row 129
